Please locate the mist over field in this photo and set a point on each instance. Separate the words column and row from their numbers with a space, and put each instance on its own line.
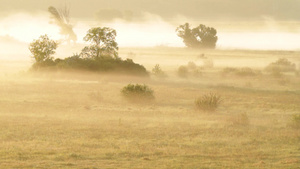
column 263, row 25
column 149, row 84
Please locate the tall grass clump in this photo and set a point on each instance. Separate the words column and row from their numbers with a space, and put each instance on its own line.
column 208, row 102
column 137, row 92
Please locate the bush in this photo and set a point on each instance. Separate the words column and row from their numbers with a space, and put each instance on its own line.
column 276, row 72
column 208, row 102
column 157, row 71
column 45, row 64
column 281, row 65
column 102, row 64
column 183, row 72
column 191, row 69
column 137, row 92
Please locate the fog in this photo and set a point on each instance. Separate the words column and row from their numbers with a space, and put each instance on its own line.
column 255, row 25
column 166, row 106
column 248, row 24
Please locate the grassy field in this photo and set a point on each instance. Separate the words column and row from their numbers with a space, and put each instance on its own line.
column 80, row 120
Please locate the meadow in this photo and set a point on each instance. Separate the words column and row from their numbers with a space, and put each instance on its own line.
column 80, row 120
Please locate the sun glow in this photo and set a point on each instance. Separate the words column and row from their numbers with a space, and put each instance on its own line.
column 25, row 27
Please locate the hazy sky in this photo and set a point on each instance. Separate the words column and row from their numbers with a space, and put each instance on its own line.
column 168, row 9
column 253, row 24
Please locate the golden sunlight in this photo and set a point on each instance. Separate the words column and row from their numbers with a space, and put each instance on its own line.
column 26, row 27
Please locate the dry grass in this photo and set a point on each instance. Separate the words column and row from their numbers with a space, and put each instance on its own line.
column 81, row 121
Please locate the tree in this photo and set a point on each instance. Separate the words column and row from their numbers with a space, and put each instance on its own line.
column 103, row 43
column 198, row 37
column 43, row 48
column 62, row 19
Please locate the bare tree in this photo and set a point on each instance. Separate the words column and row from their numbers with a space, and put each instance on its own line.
column 62, row 19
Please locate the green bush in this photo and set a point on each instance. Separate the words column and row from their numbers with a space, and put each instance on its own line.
column 208, row 102
column 137, row 92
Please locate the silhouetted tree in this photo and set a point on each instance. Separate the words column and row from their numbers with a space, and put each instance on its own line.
column 103, row 43
column 42, row 49
column 198, row 37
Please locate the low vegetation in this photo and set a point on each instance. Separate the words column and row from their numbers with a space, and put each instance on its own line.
column 158, row 72
column 242, row 72
column 208, row 102
column 137, row 93
column 83, row 120
column 281, row 65
column 102, row 64
column 183, row 71
column 99, row 57
column 189, row 70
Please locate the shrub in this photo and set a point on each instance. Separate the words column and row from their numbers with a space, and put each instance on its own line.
column 191, row 69
column 103, row 64
column 137, row 92
column 296, row 121
column 45, row 64
column 208, row 102
column 157, row 71
column 183, row 72
column 281, row 65
column 276, row 72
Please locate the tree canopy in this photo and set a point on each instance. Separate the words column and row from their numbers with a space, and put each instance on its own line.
column 43, row 48
column 103, row 42
column 198, row 37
